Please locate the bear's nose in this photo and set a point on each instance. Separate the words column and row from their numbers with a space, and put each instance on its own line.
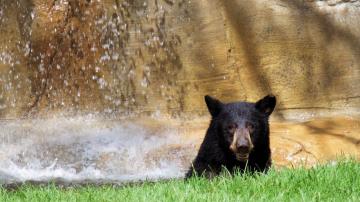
column 243, row 148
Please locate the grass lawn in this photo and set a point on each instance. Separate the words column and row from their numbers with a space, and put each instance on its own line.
column 330, row 182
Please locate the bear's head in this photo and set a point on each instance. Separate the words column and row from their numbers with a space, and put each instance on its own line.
column 241, row 126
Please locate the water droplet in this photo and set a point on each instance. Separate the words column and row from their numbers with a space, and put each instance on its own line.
column 32, row 14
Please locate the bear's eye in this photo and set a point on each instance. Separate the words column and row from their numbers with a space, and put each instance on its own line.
column 250, row 126
column 231, row 127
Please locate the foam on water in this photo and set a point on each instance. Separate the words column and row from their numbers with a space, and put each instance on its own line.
column 87, row 149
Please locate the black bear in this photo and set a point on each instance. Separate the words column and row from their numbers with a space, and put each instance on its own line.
column 237, row 138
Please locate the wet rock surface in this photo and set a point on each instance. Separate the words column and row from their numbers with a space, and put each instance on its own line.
column 161, row 57
column 99, row 151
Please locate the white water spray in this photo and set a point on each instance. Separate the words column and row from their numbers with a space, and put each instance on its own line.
column 89, row 149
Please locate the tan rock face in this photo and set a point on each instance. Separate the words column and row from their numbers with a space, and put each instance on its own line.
column 120, row 57
column 292, row 144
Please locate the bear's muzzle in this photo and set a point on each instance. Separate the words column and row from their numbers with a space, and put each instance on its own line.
column 241, row 145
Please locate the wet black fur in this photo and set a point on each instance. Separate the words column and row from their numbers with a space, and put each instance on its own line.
column 214, row 153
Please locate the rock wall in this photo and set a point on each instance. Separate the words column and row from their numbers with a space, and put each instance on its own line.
column 132, row 57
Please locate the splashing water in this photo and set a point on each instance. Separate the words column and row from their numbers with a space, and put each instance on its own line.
column 89, row 149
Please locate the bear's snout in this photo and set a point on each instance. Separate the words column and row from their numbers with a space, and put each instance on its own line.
column 241, row 145
column 243, row 149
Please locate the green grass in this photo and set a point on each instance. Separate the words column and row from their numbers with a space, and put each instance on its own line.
column 329, row 182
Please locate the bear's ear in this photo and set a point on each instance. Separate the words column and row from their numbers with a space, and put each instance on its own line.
column 214, row 105
column 266, row 105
